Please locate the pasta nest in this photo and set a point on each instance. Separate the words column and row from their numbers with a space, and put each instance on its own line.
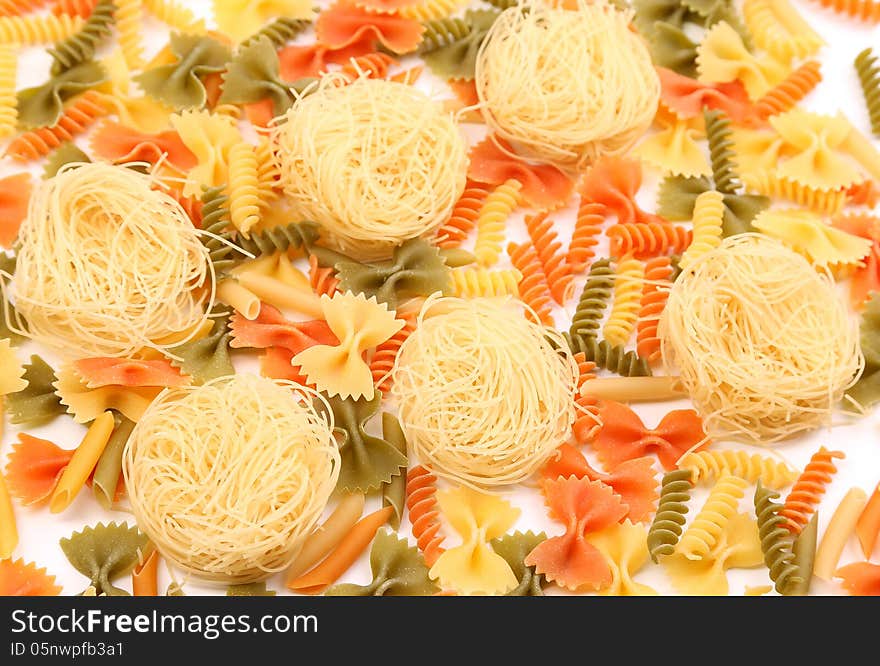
column 108, row 265
column 566, row 86
column 374, row 162
column 229, row 478
column 485, row 394
column 762, row 342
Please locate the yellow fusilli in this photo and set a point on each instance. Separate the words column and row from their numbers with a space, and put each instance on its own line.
column 492, row 219
column 244, row 187
column 36, row 30
column 709, row 465
column 628, row 282
column 128, row 23
column 708, row 216
column 175, row 15
column 475, row 282
column 8, row 101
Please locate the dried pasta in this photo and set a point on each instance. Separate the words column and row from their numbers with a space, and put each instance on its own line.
column 869, row 78
column 708, row 465
column 807, row 491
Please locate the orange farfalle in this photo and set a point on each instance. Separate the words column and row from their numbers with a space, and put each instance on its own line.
column 686, row 97
column 584, row 507
column 861, row 579
column 34, row 467
column 624, row 437
column 20, row 579
column 297, row 62
column 633, row 480
column 275, row 363
column 121, row 144
column 260, row 113
column 344, row 24
column 613, row 182
column 272, row 329
column 465, row 90
column 493, row 161
column 865, row 279
column 105, row 371
column 15, row 192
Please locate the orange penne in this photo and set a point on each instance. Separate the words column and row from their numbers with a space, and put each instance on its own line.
column 144, row 577
column 868, row 525
column 348, row 550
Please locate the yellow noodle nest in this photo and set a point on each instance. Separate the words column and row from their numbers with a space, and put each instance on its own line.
column 763, row 344
column 374, row 162
column 484, row 397
column 565, row 86
column 108, row 265
column 228, row 479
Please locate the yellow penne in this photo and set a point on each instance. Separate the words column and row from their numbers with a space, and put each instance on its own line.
column 242, row 300
column 634, row 389
column 82, row 463
column 282, row 295
column 839, row 529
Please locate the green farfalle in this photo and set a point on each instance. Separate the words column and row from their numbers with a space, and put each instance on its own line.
column 180, row 84
column 398, row 570
column 649, row 13
column 673, row 49
column 207, row 358
column 458, row 59
column 707, row 13
column 43, row 105
column 81, row 46
column 37, row 403
column 254, row 75
column 66, row 153
column 866, row 391
column 416, row 269
column 367, row 461
column 104, row 553
column 250, row 590
column 394, row 492
column 514, row 548
column 677, row 195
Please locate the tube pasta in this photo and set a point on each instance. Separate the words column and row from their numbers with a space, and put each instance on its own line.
column 327, row 535
column 82, row 463
column 839, row 529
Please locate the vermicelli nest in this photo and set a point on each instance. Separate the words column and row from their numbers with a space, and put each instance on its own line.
column 229, row 478
column 566, row 86
column 374, row 162
column 108, row 265
column 762, row 342
column 484, row 397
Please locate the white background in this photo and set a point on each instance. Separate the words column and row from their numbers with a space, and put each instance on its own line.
column 40, row 531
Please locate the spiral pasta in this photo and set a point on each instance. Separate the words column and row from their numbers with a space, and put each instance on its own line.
column 175, row 15
column 808, row 489
column 628, row 284
column 19, row 7
column 464, row 215
column 77, row 117
column 708, row 217
column 666, row 528
column 492, row 219
column 775, row 541
column 279, row 239
column 322, row 279
column 474, row 282
column 556, row 269
column 533, row 288
column 778, row 28
column 791, row 90
column 586, row 422
column 868, row 69
column 722, row 156
column 8, row 100
column 244, row 187
column 374, row 65
column 279, row 32
column 771, row 184
column 703, row 533
column 215, row 222
column 382, row 362
column 708, row 465
column 593, row 300
column 863, row 10
column 584, row 238
column 36, row 30
column 648, row 239
column 128, row 23
column 81, row 45
column 442, row 32
column 421, row 502
column 658, row 279
column 610, row 357
column 81, row 8
column 428, row 10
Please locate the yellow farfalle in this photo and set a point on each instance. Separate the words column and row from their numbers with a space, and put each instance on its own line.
column 738, row 547
column 758, row 150
column 11, row 370
column 360, row 324
column 813, row 141
column 242, row 18
column 805, row 233
column 473, row 567
column 674, row 149
column 88, row 404
column 722, row 57
column 210, row 138
column 141, row 113
column 625, row 548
